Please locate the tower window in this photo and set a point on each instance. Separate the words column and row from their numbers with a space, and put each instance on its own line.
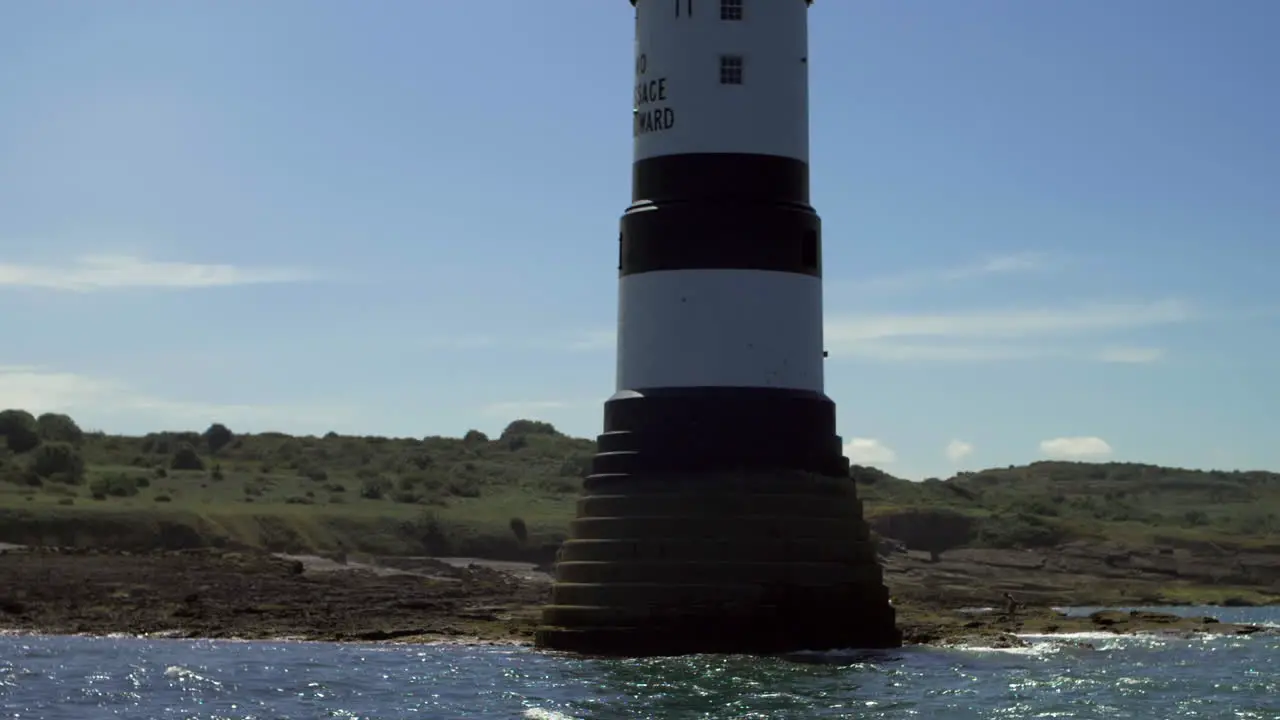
column 730, row 69
column 730, row 9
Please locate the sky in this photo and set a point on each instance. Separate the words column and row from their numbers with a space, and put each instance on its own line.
column 1050, row 228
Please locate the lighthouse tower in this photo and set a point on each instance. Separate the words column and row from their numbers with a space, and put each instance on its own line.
column 719, row 515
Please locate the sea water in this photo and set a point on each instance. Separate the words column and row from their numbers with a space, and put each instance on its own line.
column 1092, row 675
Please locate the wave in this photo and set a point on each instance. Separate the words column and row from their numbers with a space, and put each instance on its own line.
column 537, row 713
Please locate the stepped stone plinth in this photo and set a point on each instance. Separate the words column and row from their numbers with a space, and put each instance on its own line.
column 718, row 564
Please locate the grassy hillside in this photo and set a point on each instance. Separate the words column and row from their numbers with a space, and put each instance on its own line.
column 1047, row 503
column 59, row 485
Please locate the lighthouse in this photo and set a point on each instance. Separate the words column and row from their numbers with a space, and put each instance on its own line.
column 719, row 515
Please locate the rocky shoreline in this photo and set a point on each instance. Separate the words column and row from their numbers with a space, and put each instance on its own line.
column 252, row 595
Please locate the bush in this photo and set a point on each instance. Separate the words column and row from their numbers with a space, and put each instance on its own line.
column 58, row 461
column 1020, row 531
column 19, row 429
column 519, row 529
column 20, row 474
column 216, row 472
column 56, row 427
column 529, row 427
column 186, row 459
column 115, row 486
column 374, row 489
column 463, row 487
column 474, row 437
column 406, row 497
column 577, row 466
column 217, row 437
column 163, row 498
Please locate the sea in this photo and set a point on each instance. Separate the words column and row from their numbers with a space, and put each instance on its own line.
column 1092, row 675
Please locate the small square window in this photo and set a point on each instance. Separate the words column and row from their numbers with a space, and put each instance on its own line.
column 730, row 9
column 730, row 69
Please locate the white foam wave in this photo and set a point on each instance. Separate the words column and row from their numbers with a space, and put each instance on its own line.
column 1084, row 635
column 1033, row 650
column 177, row 672
column 537, row 713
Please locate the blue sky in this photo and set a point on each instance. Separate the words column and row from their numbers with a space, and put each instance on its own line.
column 1050, row 227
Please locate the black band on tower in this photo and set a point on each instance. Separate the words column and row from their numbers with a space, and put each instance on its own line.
column 723, row 211
column 719, row 429
column 720, row 176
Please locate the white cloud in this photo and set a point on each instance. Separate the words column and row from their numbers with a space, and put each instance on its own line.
column 461, row 342
column 515, row 409
column 1131, row 355
column 595, row 340
column 1007, row 323
column 996, row 334
column 96, row 400
column 1075, row 448
column 936, row 352
column 958, row 450
column 92, row 273
column 998, row 265
column 869, row 451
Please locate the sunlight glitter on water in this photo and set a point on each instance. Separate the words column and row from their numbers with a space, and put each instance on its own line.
column 1057, row 676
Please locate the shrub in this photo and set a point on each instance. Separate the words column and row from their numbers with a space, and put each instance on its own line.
column 163, row 498
column 186, row 459
column 406, row 497
column 217, row 437
column 474, row 437
column 19, row 429
column 463, row 487
column 58, row 461
column 576, row 466
column 216, row 472
column 529, row 427
column 56, row 427
column 520, row 530
column 115, row 486
column 374, row 489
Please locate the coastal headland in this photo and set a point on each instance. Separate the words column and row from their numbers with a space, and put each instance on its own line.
column 215, row 534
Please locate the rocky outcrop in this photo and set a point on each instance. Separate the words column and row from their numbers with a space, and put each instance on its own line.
column 1082, row 573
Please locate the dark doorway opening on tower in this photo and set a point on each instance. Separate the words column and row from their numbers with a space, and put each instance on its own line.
column 809, row 250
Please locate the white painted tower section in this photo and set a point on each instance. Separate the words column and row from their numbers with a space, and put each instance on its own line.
column 678, row 78
column 718, row 327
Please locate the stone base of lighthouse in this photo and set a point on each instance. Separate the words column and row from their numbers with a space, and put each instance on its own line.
column 727, row 563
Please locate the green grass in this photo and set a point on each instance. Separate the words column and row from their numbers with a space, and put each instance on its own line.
column 370, row 493
column 438, row 494
column 1124, row 503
